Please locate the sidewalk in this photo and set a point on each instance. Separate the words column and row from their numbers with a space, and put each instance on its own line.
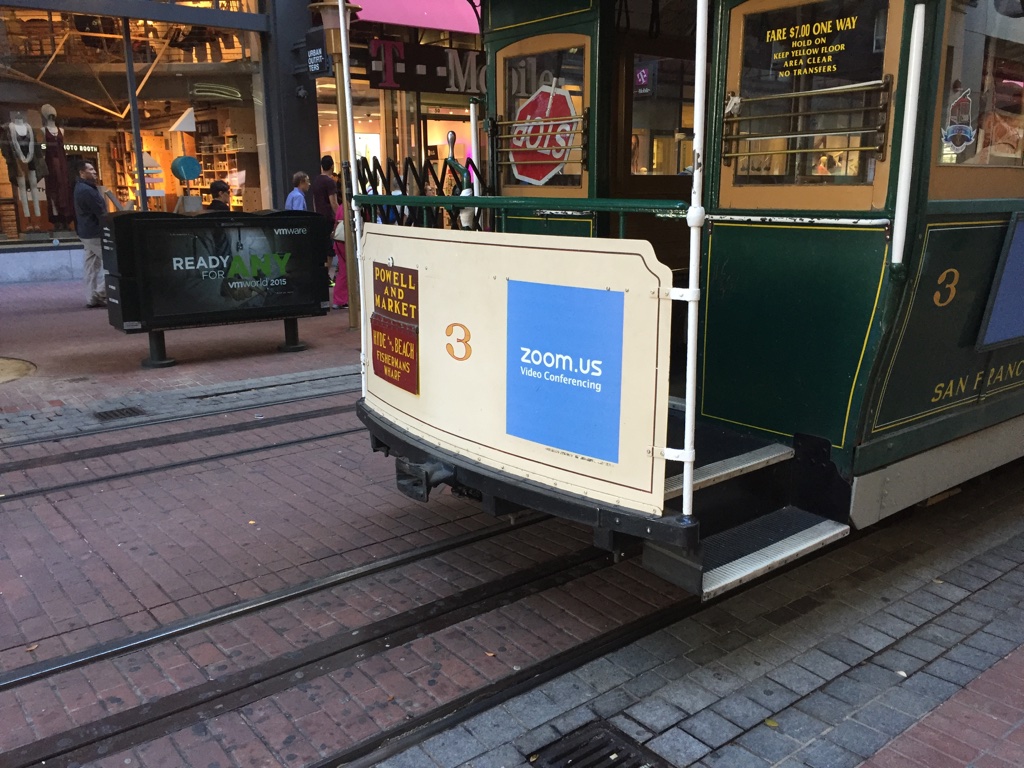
column 82, row 364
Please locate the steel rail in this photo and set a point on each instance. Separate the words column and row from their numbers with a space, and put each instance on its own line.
column 182, row 709
column 50, row 667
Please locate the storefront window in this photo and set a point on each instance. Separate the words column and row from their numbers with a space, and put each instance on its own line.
column 64, row 98
column 661, row 142
column 810, row 108
column 983, row 115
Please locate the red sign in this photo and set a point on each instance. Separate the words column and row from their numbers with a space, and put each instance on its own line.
column 542, row 136
column 395, row 353
column 394, row 326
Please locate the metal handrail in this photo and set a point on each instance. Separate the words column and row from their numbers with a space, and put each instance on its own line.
column 605, row 205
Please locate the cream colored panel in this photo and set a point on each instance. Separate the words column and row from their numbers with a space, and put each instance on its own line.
column 584, row 313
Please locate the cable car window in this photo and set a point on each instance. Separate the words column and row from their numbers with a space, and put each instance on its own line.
column 661, row 140
column 983, row 113
column 812, row 99
column 542, row 135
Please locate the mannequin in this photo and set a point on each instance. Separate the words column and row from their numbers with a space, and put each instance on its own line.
column 61, row 207
column 23, row 141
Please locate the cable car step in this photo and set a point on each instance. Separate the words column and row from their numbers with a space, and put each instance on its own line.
column 743, row 553
column 734, row 466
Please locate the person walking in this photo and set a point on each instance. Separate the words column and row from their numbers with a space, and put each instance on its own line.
column 325, row 202
column 221, row 194
column 297, row 197
column 90, row 209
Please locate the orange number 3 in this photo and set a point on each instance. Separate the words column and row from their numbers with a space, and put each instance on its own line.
column 463, row 339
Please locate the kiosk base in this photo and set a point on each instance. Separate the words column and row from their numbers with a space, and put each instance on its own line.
column 291, row 336
column 157, row 352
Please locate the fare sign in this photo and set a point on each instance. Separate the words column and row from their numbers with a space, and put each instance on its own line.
column 394, row 326
column 542, row 135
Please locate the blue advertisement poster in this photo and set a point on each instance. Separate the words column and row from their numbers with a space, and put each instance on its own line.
column 564, row 367
column 1004, row 316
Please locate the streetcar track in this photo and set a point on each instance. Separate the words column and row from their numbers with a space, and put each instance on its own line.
column 51, row 667
column 176, row 465
column 346, row 389
column 100, row 451
column 182, row 709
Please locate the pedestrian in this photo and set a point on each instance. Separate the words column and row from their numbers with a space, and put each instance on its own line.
column 221, row 194
column 297, row 197
column 90, row 208
column 324, row 189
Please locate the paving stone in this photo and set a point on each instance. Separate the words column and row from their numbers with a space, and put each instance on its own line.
column 954, row 672
column 847, row 651
column 655, row 714
column 410, row 758
column 733, row 756
column 602, row 675
column 454, row 747
column 826, row 708
column 769, row 694
column 883, row 718
column 573, row 719
column 1007, row 630
column 739, row 709
column 768, row 743
column 796, row 678
column 977, row 611
column 972, row 657
column 908, row 701
column 950, row 592
column 890, row 625
column 920, row 648
column 898, row 661
column 634, row 659
column 745, row 664
column 679, row 747
column 821, row 664
column 851, row 691
column 930, row 686
column 568, row 691
column 799, row 725
column 534, row 708
column 631, row 728
column 716, row 678
column 645, row 684
column 687, row 695
column 874, row 675
column 537, row 739
column 710, row 728
column 990, row 644
column 958, row 623
column 910, row 613
column 675, row 669
column 503, row 757
column 607, row 704
column 825, row 754
column 494, row 727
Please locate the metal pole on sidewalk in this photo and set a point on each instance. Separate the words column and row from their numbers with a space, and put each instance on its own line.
column 133, row 102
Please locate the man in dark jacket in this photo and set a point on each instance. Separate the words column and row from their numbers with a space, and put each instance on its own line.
column 220, row 194
column 90, row 209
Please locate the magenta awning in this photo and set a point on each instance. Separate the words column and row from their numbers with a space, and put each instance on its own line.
column 452, row 15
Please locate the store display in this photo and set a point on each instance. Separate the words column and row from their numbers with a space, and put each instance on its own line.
column 23, row 144
column 60, row 205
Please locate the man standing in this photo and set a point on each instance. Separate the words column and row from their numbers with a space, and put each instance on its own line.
column 89, row 211
column 325, row 190
column 297, row 197
column 221, row 194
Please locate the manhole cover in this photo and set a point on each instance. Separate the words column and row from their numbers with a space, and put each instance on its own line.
column 11, row 369
column 119, row 413
column 596, row 744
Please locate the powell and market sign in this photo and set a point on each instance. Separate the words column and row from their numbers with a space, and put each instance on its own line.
column 426, row 68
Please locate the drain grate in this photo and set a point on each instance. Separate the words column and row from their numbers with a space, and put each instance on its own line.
column 119, row 413
column 596, row 744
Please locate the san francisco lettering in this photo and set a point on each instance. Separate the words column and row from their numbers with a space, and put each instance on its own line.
column 1008, row 373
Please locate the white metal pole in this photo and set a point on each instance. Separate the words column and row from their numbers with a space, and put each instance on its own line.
column 695, row 219
column 913, row 90
column 474, row 129
column 357, row 216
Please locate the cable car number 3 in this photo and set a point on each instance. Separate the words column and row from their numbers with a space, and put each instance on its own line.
column 947, row 280
column 461, row 339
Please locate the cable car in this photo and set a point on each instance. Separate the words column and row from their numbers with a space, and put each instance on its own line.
column 734, row 279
